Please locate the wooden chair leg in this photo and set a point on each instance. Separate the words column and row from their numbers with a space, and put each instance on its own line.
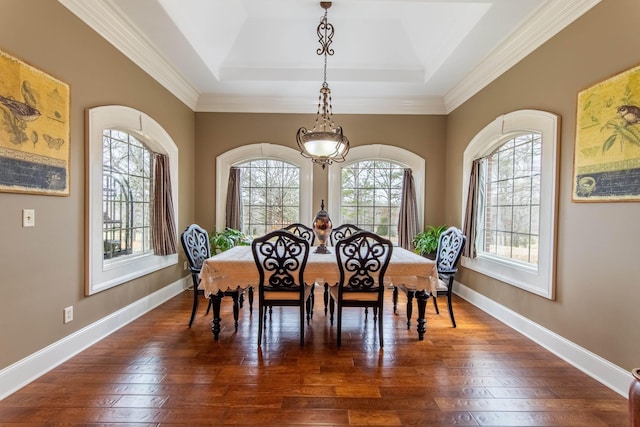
column 395, row 300
column 453, row 320
column 339, row 326
column 251, row 300
column 302, row 309
column 332, row 308
column 435, row 303
column 195, row 304
column 380, row 328
column 261, row 316
column 326, row 297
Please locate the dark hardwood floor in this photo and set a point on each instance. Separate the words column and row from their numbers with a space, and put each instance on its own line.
column 156, row 371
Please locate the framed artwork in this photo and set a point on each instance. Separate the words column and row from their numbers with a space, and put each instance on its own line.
column 606, row 165
column 34, row 130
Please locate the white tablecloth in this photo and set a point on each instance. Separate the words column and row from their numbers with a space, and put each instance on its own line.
column 236, row 268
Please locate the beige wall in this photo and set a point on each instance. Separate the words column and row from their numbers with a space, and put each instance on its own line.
column 597, row 245
column 42, row 269
column 217, row 133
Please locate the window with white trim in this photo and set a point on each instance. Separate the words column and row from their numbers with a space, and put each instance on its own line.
column 367, row 188
column 122, row 141
column 516, row 199
column 277, row 186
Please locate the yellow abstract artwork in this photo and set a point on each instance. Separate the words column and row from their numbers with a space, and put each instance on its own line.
column 34, row 130
column 607, row 150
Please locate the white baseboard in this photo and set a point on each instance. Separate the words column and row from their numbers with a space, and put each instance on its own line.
column 24, row 371
column 612, row 376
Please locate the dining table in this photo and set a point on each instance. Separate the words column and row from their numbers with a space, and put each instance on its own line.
column 235, row 269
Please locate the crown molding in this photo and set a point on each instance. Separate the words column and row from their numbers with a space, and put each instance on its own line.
column 245, row 104
column 105, row 19
column 548, row 20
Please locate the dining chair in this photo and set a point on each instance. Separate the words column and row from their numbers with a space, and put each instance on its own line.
column 303, row 231
column 195, row 242
column 281, row 257
column 362, row 260
column 338, row 233
column 342, row 231
column 308, row 234
column 450, row 245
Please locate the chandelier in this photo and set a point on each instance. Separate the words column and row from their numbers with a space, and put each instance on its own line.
column 325, row 143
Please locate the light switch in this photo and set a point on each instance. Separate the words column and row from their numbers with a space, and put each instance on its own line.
column 28, row 218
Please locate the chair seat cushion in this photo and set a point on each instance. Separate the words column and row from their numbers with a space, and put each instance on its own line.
column 353, row 296
column 288, row 295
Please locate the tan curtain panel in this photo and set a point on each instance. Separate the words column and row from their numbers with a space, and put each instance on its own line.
column 163, row 228
column 234, row 200
column 471, row 213
column 408, row 221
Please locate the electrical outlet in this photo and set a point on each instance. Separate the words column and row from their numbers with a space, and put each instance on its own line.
column 68, row 314
column 185, row 266
column 28, row 217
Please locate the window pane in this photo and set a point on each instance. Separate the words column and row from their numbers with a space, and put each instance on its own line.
column 505, row 218
column 511, row 199
column 126, row 195
column 349, row 215
column 270, row 195
column 521, row 219
column 365, row 216
column 371, row 196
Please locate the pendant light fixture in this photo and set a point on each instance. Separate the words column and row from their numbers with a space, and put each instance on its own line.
column 325, row 143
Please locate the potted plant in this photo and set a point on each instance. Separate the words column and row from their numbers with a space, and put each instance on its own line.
column 425, row 243
column 220, row 241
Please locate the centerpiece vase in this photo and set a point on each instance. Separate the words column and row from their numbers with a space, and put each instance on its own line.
column 322, row 228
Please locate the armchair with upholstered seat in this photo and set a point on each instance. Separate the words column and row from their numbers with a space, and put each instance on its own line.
column 362, row 260
column 281, row 257
column 450, row 245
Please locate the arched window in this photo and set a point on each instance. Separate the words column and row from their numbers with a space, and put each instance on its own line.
column 122, row 142
column 366, row 189
column 516, row 188
column 276, row 185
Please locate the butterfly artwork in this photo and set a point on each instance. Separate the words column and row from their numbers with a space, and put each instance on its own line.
column 53, row 142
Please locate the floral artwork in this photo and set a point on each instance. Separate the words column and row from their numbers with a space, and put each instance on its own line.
column 34, row 130
column 607, row 149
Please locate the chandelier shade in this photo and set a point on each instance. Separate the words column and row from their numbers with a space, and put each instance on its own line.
column 325, row 143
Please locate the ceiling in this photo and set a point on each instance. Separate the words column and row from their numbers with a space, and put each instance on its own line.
column 391, row 56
